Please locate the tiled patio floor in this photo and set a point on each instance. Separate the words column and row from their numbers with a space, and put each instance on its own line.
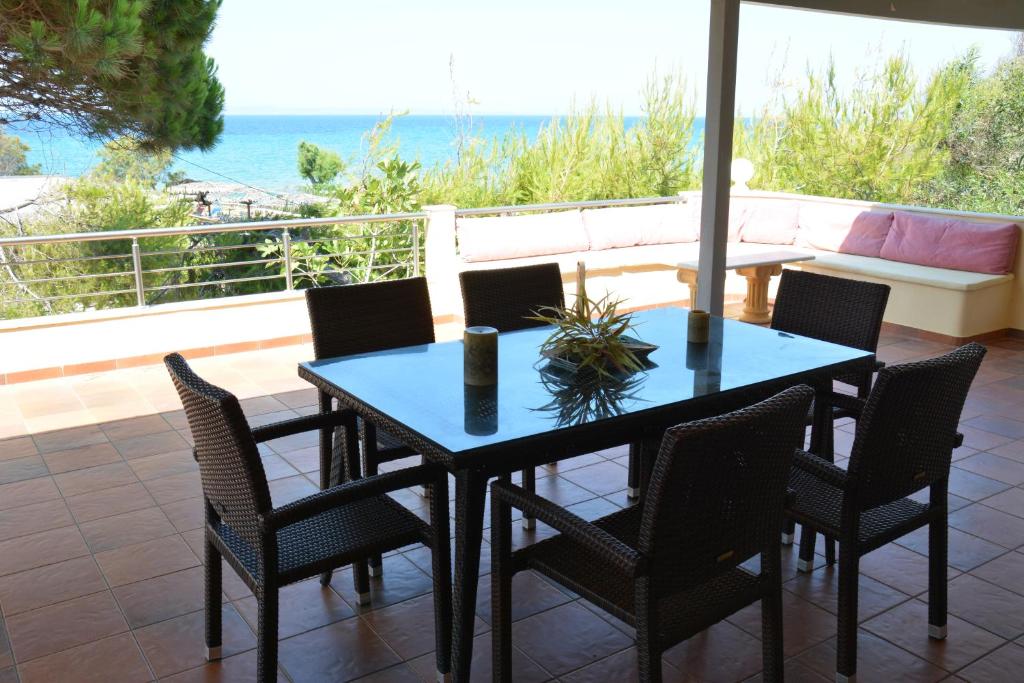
column 101, row 577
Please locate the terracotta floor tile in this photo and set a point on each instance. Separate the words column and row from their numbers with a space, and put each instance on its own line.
column 178, row 644
column 303, row 607
column 965, row 551
column 164, row 465
column 994, row 467
column 135, row 426
column 115, row 658
column 402, row 581
column 95, row 479
column 408, row 627
column 907, row 626
column 721, row 653
column 531, row 594
column 1002, row 426
column 261, row 405
column 601, row 478
column 36, row 550
column 1011, row 501
column 185, row 515
column 877, row 659
column 109, row 533
column 1006, row 571
column 27, row 492
column 805, row 624
column 820, row 587
column 992, row 525
column 294, row 442
column 81, row 458
column 236, row 669
column 585, row 638
column 981, row 439
column 49, row 585
column 298, row 398
column 64, row 439
column 973, row 486
column 1013, row 450
column 145, row 560
column 524, row 669
column 22, row 469
column 19, row 447
column 276, row 467
column 304, row 459
column 64, row 625
column 162, row 597
column 1002, row 666
column 151, row 444
column 290, row 489
column 31, row 519
column 342, row 651
column 175, row 487
column 9, row 675
column 986, row 605
column 6, row 656
column 899, row 567
column 109, row 501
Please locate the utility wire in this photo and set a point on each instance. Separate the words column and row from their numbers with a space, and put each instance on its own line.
column 227, row 177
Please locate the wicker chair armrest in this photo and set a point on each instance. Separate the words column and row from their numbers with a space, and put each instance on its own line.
column 580, row 531
column 822, row 469
column 275, row 430
column 351, row 491
column 850, row 404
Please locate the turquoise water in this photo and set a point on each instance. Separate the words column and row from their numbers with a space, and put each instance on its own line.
column 261, row 150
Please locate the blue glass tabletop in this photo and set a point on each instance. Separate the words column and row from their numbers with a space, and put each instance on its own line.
column 421, row 387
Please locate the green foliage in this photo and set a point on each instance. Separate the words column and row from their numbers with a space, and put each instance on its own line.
column 113, row 67
column 986, row 147
column 877, row 142
column 12, row 156
column 124, row 159
column 319, row 166
column 589, row 154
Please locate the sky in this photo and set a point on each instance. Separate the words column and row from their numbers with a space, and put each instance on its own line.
column 534, row 56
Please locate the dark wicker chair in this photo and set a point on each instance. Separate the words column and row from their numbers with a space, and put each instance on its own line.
column 904, row 444
column 505, row 299
column 350, row 319
column 671, row 566
column 272, row 547
column 841, row 311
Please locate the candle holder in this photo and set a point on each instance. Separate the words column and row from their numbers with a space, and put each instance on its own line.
column 697, row 324
column 480, row 406
column 480, row 356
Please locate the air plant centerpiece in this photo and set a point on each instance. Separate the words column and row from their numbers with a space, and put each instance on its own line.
column 592, row 335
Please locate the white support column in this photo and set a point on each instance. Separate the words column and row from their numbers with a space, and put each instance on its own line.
column 718, row 131
column 441, row 261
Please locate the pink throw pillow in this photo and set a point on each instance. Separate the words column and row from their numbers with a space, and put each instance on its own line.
column 946, row 242
column 844, row 229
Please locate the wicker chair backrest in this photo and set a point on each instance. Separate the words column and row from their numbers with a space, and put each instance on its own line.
column 233, row 479
column 718, row 488
column 905, row 436
column 505, row 298
column 375, row 316
column 832, row 309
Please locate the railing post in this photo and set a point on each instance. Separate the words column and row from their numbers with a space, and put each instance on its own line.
column 286, row 240
column 415, row 249
column 140, row 287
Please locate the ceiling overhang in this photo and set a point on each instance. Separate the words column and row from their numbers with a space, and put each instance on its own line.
column 995, row 14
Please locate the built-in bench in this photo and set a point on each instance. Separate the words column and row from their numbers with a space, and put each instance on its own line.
column 631, row 252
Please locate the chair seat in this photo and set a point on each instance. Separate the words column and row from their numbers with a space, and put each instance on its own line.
column 821, row 503
column 684, row 609
column 333, row 538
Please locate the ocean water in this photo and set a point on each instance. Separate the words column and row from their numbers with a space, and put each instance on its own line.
column 261, row 151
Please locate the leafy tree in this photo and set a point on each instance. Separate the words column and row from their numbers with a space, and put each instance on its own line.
column 318, row 165
column 124, row 159
column 12, row 156
column 113, row 67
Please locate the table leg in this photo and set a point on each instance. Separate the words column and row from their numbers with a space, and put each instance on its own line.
column 822, row 441
column 470, row 492
column 689, row 278
column 755, row 307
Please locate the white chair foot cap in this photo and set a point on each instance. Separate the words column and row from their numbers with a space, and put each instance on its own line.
column 364, row 598
column 444, row 678
column 213, row 653
column 376, row 571
column 529, row 523
column 806, row 567
column 840, row 678
column 938, row 632
column 632, row 492
column 787, row 539
column 425, row 491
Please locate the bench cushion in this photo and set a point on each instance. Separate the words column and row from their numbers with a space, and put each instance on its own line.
column 882, row 269
column 628, row 226
column 845, row 229
column 946, row 242
column 508, row 237
column 767, row 222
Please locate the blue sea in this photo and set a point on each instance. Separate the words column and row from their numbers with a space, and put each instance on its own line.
column 261, row 150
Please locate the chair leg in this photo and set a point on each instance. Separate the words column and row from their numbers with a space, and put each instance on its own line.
column 266, row 636
column 633, row 478
column 361, row 582
column 501, row 591
column 771, row 619
column 788, row 532
column 530, row 484
column 938, row 549
column 648, row 653
column 846, row 636
column 442, row 575
column 214, row 570
column 807, row 539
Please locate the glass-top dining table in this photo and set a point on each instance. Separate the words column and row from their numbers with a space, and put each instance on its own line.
column 538, row 414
